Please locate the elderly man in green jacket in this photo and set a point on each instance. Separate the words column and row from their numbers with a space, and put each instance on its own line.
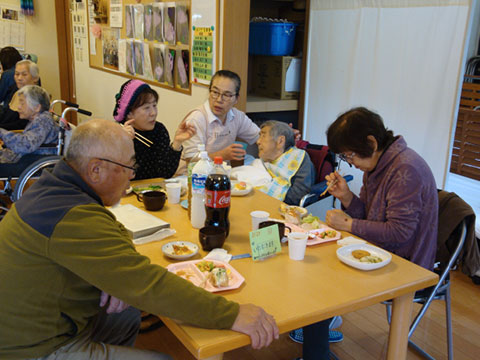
column 62, row 252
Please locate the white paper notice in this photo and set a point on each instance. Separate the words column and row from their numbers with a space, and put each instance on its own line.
column 116, row 13
column 122, row 55
column 93, row 44
column 292, row 81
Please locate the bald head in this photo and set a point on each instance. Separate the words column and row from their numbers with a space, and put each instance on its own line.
column 96, row 138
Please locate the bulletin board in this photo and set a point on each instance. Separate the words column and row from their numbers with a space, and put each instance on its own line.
column 148, row 40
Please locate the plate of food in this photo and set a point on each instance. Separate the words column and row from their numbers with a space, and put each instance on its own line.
column 212, row 275
column 140, row 189
column 364, row 256
column 293, row 214
column 180, row 250
column 320, row 235
column 240, row 188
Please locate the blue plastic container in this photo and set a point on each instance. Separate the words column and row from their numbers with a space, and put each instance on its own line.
column 271, row 38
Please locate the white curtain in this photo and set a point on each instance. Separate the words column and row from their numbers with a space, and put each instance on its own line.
column 402, row 59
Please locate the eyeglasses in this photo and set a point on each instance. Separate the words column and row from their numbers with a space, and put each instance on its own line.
column 346, row 158
column 227, row 96
column 133, row 168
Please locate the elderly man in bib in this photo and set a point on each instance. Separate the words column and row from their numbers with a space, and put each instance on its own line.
column 290, row 169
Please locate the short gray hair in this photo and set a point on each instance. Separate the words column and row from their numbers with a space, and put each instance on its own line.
column 32, row 67
column 34, row 96
column 95, row 138
column 278, row 128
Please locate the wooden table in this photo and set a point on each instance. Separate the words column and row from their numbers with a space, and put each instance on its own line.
column 296, row 293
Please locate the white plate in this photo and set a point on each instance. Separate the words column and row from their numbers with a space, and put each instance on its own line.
column 236, row 192
column 345, row 255
column 314, row 240
column 189, row 271
column 169, row 251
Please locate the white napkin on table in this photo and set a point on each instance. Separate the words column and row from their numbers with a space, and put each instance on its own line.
column 219, row 255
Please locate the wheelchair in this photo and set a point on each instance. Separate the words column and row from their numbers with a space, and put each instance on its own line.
column 31, row 166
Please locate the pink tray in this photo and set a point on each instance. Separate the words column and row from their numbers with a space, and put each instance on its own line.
column 189, row 271
column 316, row 240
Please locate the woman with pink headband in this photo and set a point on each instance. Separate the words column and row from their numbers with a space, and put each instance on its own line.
column 136, row 106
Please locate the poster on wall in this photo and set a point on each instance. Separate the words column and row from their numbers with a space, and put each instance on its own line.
column 204, row 40
column 116, row 13
column 12, row 27
column 202, row 54
column 110, row 47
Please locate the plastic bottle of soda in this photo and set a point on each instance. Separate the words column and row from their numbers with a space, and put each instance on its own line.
column 217, row 197
column 199, row 176
column 191, row 164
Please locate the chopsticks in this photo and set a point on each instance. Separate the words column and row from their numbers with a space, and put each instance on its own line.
column 142, row 139
column 329, row 187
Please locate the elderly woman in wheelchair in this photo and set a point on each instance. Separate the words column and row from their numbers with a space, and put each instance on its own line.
column 20, row 149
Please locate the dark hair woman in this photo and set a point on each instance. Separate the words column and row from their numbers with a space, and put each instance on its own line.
column 398, row 203
column 9, row 56
column 136, row 107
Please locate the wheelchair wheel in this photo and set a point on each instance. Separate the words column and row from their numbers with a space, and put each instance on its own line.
column 33, row 172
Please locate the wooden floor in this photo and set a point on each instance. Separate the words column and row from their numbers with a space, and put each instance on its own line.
column 365, row 333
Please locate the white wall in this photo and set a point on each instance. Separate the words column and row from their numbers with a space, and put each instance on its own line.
column 41, row 40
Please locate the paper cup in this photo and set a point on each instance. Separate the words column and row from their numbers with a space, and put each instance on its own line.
column 258, row 217
column 297, row 243
column 173, row 192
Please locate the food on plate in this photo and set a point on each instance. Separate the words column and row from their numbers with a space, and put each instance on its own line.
column 310, row 222
column 218, row 277
column 293, row 214
column 371, row 259
column 242, row 185
column 358, row 254
column 181, row 250
column 205, row 266
column 185, row 273
column 328, row 234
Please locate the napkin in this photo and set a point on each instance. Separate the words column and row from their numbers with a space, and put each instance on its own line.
column 219, row 255
column 156, row 236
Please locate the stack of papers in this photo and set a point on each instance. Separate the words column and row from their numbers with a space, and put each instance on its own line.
column 138, row 222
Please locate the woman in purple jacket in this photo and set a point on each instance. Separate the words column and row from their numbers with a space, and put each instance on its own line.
column 398, row 204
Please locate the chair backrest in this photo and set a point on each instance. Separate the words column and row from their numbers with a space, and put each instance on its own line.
column 455, row 217
column 322, row 158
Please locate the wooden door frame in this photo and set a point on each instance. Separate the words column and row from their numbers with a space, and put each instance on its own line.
column 65, row 52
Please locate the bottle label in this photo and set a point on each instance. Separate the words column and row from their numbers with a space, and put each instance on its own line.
column 198, row 183
column 217, row 199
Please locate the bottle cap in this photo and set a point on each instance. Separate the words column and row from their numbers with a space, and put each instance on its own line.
column 218, row 160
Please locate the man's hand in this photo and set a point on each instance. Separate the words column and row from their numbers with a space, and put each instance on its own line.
column 339, row 220
column 114, row 306
column 296, row 133
column 233, row 152
column 256, row 323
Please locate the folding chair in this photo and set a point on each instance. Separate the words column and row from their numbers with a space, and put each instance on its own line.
column 441, row 291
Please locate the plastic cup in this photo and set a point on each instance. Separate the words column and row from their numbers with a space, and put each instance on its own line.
column 258, row 217
column 297, row 243
column 173, row 192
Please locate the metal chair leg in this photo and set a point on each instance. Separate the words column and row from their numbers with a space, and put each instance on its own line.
column 448, row 311
column 420, row 350
column 388, row 308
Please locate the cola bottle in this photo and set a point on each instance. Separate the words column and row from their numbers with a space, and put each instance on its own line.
column 217, row 197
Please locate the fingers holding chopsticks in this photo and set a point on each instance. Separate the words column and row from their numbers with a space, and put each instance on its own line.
column 131, row 131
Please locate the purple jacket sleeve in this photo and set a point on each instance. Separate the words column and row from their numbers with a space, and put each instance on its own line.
column 393, row 219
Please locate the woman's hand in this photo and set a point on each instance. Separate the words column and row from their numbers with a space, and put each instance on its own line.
column 340, row 189
column 128, row 127
column 339, row 220
column 184, row 132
